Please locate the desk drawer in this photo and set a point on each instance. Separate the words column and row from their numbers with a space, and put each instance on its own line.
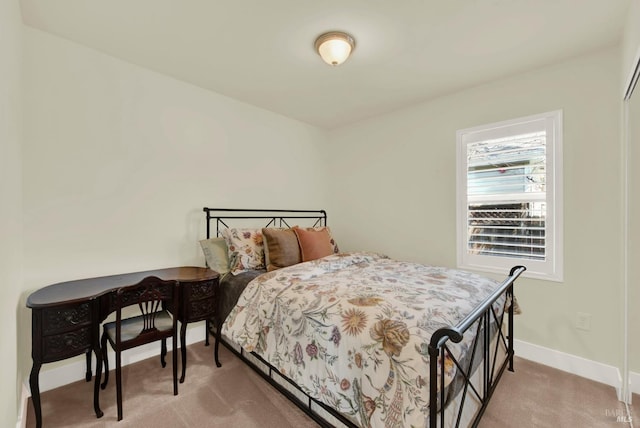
column 64, row 345
column 201, row 309
column 200, row 290
column 65, row 318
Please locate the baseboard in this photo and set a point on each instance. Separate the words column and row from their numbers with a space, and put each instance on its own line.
column 75, row 371
column 24, row 399
column 579, row 366
column 634, row 382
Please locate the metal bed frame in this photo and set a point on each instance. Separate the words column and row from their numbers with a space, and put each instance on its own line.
column 276, row 218
column 483, row 318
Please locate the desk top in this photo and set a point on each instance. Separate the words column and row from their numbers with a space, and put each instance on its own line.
column 87, row 289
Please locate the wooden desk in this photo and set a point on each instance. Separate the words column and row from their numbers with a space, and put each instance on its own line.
column 66, row 317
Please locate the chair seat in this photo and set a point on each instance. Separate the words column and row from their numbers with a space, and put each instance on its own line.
column 132, row 327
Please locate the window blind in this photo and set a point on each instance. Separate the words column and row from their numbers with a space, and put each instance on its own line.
column 506, row 196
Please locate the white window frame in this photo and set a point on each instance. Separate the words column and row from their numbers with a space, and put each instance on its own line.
column 552, row 267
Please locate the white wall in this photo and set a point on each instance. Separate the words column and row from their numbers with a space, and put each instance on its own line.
column 393, row 189
column 119, row 161
column 631, row 54
column 634, row 235
column 630, row 42
column 11, row 207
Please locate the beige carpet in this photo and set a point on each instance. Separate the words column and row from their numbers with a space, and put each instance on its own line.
column 539, row 396
column 230, row 396
column 235, row 396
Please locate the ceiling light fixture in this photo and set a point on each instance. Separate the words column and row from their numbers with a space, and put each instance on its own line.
column 334, row 47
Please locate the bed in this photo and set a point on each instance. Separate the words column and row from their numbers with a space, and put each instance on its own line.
column 359, row 339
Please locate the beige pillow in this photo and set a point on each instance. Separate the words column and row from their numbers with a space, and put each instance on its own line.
column 282, row 247
column 216, row 254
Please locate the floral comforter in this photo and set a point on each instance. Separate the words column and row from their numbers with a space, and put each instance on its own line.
column 352, row 330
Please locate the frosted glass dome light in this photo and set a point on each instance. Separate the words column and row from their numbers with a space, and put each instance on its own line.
column 335, row 47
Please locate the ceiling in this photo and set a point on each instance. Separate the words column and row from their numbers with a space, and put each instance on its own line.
column 261, row 51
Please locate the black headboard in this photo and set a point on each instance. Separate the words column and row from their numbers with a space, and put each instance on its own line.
column 271, row 218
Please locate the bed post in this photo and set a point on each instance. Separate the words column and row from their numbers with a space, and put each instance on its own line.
column 510, row 315
column 436, row 348
column 510, row 328
column 433, row 386
column 206, row 210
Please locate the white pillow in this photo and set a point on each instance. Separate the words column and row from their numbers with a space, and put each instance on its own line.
column 216, row 254
column 246, row 249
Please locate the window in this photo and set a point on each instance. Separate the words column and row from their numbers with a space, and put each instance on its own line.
column 509, row 196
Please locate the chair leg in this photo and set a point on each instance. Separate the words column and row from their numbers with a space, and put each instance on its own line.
column 119, row 384
column 163, row 353
column 103, row 346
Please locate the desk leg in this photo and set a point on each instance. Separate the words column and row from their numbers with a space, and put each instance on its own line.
column 35, row 392
column 183, row 349
column 97, row 349
column 88, row 375
column 96, row 386
column 207, row 330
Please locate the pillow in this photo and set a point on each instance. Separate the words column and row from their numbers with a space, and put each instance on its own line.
column 334, row 245
column 265, row 246
column 246, row 250
column 216, row 254
column 314, row 243
column 282, row 247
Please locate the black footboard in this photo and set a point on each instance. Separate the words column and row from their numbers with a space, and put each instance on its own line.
column 482, row 319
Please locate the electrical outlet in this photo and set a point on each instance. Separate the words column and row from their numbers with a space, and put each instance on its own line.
column 583, row 321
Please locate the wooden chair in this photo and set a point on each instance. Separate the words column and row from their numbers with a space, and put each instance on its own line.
column 153, row 296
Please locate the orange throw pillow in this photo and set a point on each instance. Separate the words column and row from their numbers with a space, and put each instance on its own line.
column 314, row 244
